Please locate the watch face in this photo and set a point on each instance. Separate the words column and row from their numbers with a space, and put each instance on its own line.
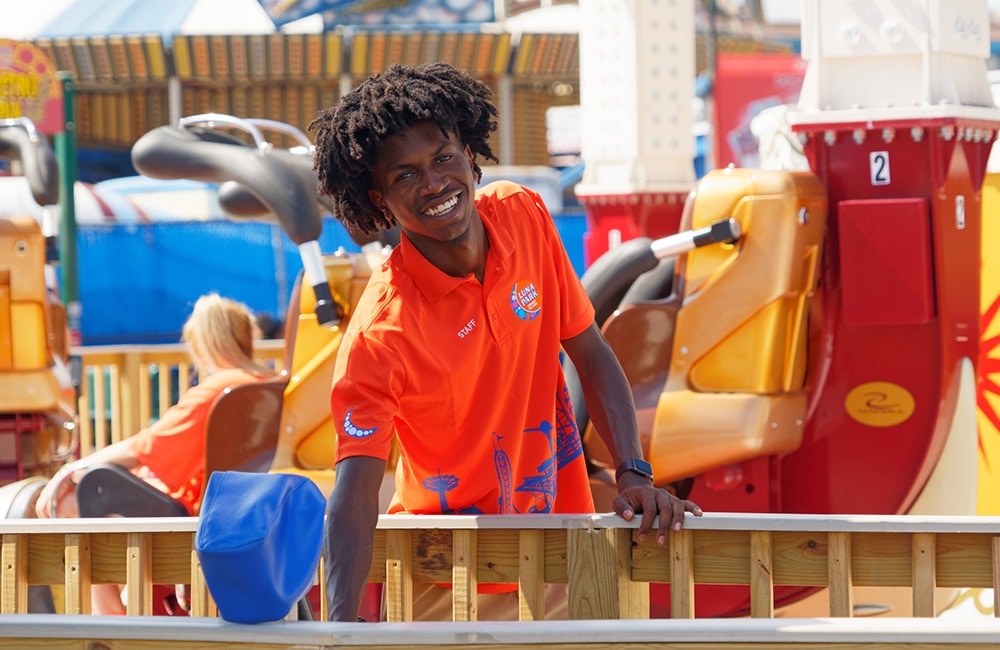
column 636, row 465
column 642, row 467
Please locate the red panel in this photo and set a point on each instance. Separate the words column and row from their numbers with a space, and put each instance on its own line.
column 746, row 84
column 652, row 215
column 885, row 262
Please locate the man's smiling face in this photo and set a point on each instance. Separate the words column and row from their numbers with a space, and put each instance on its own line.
column 425, row 178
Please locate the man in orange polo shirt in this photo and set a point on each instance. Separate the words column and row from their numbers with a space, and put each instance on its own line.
column 453, row 350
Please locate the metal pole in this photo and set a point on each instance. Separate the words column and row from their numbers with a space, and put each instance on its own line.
column 66, row 155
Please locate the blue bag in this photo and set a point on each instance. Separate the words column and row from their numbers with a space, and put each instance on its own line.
column 259, row 541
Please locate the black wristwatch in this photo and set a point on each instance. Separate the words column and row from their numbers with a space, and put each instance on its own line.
column 637, row 465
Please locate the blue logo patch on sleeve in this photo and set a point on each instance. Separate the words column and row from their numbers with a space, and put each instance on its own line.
column 355, row 431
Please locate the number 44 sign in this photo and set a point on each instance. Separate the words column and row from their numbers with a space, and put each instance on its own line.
column 878, row 165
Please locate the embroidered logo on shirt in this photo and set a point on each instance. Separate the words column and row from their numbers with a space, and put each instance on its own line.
column 525, row 300
column 355, row 431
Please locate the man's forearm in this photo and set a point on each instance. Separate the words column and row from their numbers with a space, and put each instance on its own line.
column 346, row 579
column 351, row 518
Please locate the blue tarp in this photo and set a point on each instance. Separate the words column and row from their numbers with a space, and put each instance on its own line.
column 138, row 282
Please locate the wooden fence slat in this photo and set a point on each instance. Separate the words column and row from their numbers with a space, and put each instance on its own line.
column 128, row 394
column 101, row 433
column 14, row 597
column 77, row 583
column 633, row 595
column 840, row 577
column 200, row 598
column 139, row 574
column 465, row 584
column 591, row 565
column 145, row 401
column 322, row 589
column 531, row 575
column 924, row 574
column 761, row 575
column 996, row 576
column 682, row 573
column 166, row 383
column 398, row 576
column 84, row 413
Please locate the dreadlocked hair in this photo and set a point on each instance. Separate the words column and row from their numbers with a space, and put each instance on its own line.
column 350, row 135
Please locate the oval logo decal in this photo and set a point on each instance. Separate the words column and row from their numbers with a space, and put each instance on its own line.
column 880, row 404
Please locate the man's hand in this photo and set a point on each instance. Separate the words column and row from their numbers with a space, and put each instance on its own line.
column 637, row 495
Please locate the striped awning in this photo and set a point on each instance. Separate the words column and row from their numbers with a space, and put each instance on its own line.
column 547, row 55
column 480, row 54
column 144, row 59
column 110, row 60
column 258, row 57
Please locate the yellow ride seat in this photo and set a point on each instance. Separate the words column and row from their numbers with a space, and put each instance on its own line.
column 733, row 339
column 307, row 439
column 26, row 348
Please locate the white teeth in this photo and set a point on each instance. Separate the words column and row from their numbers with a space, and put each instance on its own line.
column 441, row 209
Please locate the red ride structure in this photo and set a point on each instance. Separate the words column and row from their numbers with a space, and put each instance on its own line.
column 824, row 362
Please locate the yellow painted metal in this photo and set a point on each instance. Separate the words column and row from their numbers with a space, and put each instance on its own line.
column 988, row 397
column 26, row 381
column 307, row 441
column 736, row 386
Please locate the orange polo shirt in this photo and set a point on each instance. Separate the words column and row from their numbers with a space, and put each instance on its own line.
column 466, row 375
column 172, row 449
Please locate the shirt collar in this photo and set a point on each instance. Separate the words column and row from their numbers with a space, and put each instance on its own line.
column 434, row 283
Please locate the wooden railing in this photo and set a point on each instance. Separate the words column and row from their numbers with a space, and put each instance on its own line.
column 125, row 387
column 606, row 569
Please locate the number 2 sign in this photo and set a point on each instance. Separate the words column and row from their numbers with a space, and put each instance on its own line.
column 878, row 163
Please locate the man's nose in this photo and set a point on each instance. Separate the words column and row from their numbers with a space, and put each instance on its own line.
column 433, row 180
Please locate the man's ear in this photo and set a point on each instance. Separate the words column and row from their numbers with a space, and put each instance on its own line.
column 376, row 198
column 470, row 157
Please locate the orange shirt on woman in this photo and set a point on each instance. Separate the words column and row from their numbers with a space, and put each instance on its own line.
column 171, row 451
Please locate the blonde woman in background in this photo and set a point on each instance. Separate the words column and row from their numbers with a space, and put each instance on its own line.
column 170, row 453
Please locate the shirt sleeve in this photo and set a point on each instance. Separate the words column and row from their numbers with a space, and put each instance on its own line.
column 576, row 311
column 368, row 378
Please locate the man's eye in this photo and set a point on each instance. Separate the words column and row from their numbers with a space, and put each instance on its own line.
column 405, row 176
column 445, row 158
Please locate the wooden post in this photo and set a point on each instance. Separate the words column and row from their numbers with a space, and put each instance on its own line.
column 682, row 573
column 591, row 569
column 633, row 596
column 323, row 614
column 14, row 598
column 128, row 397
column 840, row 574
column 145, row 396
column 77, row 583
column 202, row 603
column 465, row 583
column 924, row 574
column 101, row 435
column 996, row 576
column 398, row 576
column 761, row 575
column 84, row 413
column 139, row 574
column 531, row 575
